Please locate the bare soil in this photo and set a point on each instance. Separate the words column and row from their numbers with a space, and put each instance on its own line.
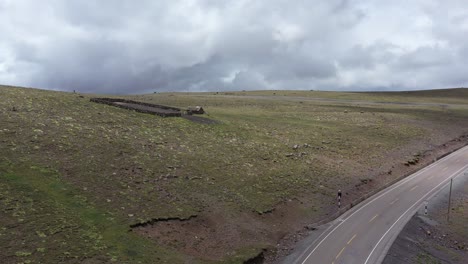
column 209, row 234
column 201, row 120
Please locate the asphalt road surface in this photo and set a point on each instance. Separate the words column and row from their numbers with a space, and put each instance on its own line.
column 364, row 234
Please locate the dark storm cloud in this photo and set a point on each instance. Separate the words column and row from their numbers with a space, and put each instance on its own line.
column 125, row 46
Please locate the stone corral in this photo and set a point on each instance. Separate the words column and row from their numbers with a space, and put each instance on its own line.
column 160, row 110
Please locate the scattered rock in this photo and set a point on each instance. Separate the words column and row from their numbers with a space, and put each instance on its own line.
column 366, row 181
column 412, row 161
column 195, row 110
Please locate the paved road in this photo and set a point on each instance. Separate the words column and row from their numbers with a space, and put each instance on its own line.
column 364, row 234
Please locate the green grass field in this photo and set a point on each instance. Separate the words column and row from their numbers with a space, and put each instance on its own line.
column 75, row 175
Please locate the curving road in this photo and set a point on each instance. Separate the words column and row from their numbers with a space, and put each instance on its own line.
column 364, row 234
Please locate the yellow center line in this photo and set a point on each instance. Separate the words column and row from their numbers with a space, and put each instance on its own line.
column 349, row 242
column 430, row 177
column 373, row 218
column 444, row 169
column 339, row 254
column 414, row 188
column 457, row 160
column 394, row 201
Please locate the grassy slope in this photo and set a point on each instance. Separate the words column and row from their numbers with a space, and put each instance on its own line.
column 96, row 169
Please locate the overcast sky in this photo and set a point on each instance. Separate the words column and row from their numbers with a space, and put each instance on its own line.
column 128, row 46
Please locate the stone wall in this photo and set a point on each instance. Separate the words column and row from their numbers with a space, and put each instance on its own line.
column 160, row 110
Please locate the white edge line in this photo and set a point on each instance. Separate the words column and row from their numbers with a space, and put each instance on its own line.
column 311, row 244
column 397, row 184
column 422, row 198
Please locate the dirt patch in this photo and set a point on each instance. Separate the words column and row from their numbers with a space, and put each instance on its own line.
column 208, row 235
column 205, row 236
column 201, row 120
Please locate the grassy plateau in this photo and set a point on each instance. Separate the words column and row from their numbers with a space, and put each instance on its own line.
column 82, row 182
